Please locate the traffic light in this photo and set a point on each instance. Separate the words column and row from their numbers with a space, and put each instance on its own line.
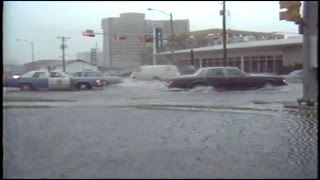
column 88, row 33
column 292, row 12
column 120, row 37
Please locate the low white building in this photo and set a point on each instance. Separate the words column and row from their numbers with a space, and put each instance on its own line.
column 270, row 56
column 71, row 65
column 77, row 65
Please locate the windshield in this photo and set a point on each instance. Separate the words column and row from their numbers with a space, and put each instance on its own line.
column 160, row 90
column 28, row 74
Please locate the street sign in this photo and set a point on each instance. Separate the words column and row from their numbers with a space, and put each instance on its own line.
column 153, row 24
column 93, row 56
column 158, row 37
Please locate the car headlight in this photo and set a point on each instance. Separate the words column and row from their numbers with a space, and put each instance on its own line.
column 15, row 76
column 285, row 81
column 98, row 81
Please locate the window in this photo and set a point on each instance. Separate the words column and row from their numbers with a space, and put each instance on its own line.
column 234, row 72
column 28, row 74
column 88, row 74
column 92, row 74
column 55, row 74
column 39, row 75
column 216, row 73
column 77, row 74
column 202, row 72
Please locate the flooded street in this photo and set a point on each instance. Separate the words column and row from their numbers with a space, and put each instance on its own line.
column 79, row 142
column 118, row 142
column 147, row 90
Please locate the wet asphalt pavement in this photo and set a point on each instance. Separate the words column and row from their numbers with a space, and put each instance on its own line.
column 105, row 142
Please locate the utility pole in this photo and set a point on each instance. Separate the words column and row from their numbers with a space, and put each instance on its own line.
column 63, row 46
column 154, row 46
column 224, row 32
column 310, row 65
column 172, row 38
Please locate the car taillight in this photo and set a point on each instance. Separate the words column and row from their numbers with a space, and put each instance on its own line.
column 170, row 82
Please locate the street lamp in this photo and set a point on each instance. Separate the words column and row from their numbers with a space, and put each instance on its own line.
column 191, row 50
column 32, row 48
column 171, row 27
column 223, row 13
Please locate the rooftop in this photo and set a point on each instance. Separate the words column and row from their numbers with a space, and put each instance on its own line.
column 251, row 44
column 52, row 62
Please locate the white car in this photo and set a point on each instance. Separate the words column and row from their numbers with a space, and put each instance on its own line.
column 51, row 80
column 155, row 72
column 294, row 76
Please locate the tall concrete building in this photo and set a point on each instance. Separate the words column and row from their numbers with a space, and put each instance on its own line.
column 125, row 53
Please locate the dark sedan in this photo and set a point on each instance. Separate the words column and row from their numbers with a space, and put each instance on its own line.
column 225, row 78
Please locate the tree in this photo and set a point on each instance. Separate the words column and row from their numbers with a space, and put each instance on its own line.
column 180, row 41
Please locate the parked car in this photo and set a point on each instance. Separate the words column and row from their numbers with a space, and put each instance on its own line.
column 155, row 72
column 106, row 80
column 51, row 80
column 294, row 76
column 225, row 78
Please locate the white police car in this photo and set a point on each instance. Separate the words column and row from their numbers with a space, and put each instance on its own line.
column 51, row 80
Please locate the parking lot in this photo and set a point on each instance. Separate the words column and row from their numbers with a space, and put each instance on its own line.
column 98, row 135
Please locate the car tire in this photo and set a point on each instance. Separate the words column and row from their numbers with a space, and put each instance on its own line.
column 267, row 84
column 26, row 87
column 83, row 86
column 156, row 79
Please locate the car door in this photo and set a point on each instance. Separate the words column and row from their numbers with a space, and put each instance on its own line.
column 58, row 81
column 216, row 78
column 236, row 79
column 39, row 80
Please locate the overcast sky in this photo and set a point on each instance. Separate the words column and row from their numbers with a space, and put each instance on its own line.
column 42, row 22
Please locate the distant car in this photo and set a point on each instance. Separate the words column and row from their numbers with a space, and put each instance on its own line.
column 51, row 80
column 125, row 73
column 111, row 73
column 155, row 72
column 106, row 80
column 225, row 78
column 295, row 76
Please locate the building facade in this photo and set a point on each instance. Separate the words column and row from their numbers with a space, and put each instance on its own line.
column 124, row 53
column 269, row 56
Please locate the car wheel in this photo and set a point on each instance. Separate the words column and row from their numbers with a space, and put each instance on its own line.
column 267, row 84
column 156, row 79
column 83, row 86
column 26, row 87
